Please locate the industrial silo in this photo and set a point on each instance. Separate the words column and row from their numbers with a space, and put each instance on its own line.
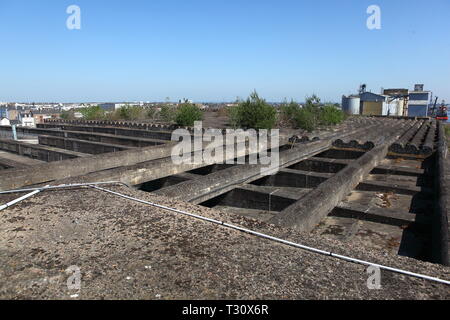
column 350, row 104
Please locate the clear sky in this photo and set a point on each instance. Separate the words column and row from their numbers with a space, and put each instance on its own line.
column 217, row 50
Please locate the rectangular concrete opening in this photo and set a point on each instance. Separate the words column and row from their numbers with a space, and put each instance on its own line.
column 340, row 154
column 247, row 199
column 291, row 179
column 210, row 169
column 154, row 185
column 318, row 166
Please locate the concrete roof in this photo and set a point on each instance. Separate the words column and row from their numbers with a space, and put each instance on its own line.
column 130, row 250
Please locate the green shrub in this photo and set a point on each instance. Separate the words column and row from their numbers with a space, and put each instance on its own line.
column 234, row 115
column 253, row 113
column 187, row 114
column 312, row 114
column 151, row 113
column 93, row 113
column 167, row 113
column 288, row 112
column 67, row 115
column 305, row 119
column 330, row 115
column 130, row 113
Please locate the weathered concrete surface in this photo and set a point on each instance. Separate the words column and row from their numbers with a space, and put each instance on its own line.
column 16, row 161
column 354, row 124
column 126, row 163
column 115, row 123
column 127, row 250
column 10, row 179
column 419, row 140
column 375, row 136
column 221, row 182
column 304, row 215
column 377, row 214
column 440, row 230
column 217, row 183
column 112, row 139
column 83, row 146
column 158, row 134
column 39, row 152
column 429, row 142
column 156, row 169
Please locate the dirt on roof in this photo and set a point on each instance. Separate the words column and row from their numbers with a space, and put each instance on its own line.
column 129, row 250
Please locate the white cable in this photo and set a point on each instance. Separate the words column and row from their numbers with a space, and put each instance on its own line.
column 293, row 244
column 61, row 186
column 11, row 203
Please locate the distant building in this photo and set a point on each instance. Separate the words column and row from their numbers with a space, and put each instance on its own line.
column 3, row 112
column 351, row 105
column 110, row 106
column 27, row 119
column 398, row 98
column 391, row 102
column 5, row 122
column 418, row 101
column 372, row 104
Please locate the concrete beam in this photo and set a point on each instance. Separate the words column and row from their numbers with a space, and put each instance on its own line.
column 11, row 160
column 428, row 145
column 35, row 151
column 152, row 133
column 107, row 138
column 134, row 167
column 76, row 167
column 81, row 145
column 440, row 225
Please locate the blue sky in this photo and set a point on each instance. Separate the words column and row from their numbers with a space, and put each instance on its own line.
column 218, row 50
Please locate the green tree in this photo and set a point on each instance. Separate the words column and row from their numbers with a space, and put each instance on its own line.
column 167, row 113
column 253, row 113
column 187, row 114
column 67, row 114
column 93, row 113
column 128, row 112
column 288, row 112
column 305, row 119
column 312, row 114
column 330, row 115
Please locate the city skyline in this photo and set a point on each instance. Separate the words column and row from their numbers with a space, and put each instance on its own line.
column 217, row 51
